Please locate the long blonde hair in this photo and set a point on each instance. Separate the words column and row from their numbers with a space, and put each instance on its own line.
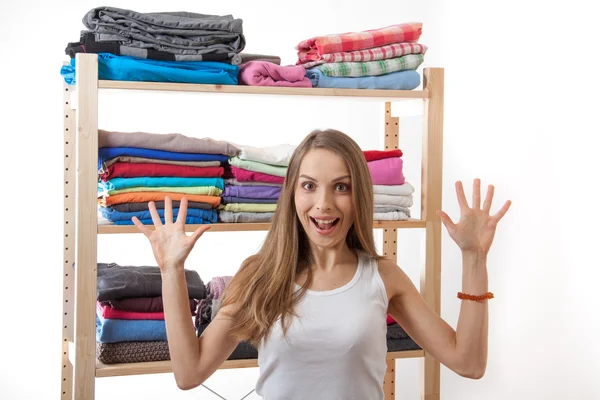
column 263, row 289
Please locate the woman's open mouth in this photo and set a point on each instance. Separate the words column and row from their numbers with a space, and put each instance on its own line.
column 324, row 226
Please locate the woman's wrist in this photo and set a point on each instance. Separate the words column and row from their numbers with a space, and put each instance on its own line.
column 474, row 256
column 172, row 269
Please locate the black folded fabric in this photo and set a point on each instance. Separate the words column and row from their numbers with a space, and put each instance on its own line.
column 398, row 340
column 88, row 44
column 118, row 282
column 395, row 331
column 243, row 351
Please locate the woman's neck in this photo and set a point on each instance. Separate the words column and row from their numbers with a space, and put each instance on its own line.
column 325, row 259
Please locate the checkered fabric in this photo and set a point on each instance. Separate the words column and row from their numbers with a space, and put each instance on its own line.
column 344, row 42
column 308, row 59
column 372, row 68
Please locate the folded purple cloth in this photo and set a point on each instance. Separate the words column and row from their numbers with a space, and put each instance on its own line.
column 252, row 192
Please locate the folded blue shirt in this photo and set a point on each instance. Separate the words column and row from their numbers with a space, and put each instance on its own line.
column 106, row 153
column 129, row 330
column 188, row 221
column 401, row 80
column 126, row 68
column 114, row 216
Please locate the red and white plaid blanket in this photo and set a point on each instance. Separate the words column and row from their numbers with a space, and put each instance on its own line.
column 343, row 42
column 393, row 50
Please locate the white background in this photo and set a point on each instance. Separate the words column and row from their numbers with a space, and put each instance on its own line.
column 521, row 101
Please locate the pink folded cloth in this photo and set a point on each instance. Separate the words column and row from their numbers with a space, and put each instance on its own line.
column 217, row 286
column 390, row 320
column 387, row 171
column 243, row 175
column 112, row 313
column 263, row 73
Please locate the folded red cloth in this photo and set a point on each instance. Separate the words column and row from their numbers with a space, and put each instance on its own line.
column 390, row 320
column 132, row 170
column 112, row 313
column 372, row 155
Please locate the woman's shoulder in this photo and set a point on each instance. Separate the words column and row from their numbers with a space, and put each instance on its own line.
column 393, row 277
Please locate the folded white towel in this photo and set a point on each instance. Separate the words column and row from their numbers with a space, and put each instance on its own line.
column 386, row 199
column 395, row 190
column 390, row 216
column 391, row 208
column 274, row 155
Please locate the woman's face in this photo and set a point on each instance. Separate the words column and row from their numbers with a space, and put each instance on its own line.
column 323, row 198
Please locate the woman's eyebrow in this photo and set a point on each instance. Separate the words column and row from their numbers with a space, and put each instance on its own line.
column 335, row 180
column 341, row 178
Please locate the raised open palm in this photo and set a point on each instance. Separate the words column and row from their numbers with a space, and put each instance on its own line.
column 475, row 230
column 170, row 244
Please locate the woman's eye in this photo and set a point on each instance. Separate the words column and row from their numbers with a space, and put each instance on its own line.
column 308, row 185
column 342, row 187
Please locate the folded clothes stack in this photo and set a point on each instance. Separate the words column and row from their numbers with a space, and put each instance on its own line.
column 181, row 47
column 257, row 177
column 392, row 194
column 210, row 305
column 384, row 58
column 130, row 323
column 138, row 167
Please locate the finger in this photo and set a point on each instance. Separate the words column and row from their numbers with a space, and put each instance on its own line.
column 476, row 194
column 487, row 204
column 154, row 214
column 198, row 232
column 450, row 226
column 183, row 205
column 141, row 227
column 498, row 216
column 460, row 194
column 168, row 210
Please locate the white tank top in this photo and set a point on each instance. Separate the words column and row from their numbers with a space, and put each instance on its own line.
column 336, row 348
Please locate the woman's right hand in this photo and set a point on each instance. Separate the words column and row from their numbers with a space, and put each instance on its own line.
column 170, row 244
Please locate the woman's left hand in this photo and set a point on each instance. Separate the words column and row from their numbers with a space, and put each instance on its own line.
column 475, row 230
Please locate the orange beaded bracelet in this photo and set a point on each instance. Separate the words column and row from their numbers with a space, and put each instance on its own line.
column 485, row 296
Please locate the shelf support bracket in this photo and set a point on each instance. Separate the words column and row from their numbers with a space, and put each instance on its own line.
column 431, row 201
column 86, row 226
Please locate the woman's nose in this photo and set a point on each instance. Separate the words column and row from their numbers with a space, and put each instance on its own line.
column 324, row 201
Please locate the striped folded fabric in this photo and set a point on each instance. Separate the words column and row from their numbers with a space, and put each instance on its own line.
column 393, row 50
column 372, row 68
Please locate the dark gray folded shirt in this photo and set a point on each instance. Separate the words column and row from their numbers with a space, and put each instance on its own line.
column 117, row 282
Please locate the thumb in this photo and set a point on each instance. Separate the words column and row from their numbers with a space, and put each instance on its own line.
column 198, row 232
column 445, row 220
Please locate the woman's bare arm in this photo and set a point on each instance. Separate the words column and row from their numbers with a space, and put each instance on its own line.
column 193, row 359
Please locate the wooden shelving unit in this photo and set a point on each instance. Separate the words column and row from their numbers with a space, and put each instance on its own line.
column 79, row 365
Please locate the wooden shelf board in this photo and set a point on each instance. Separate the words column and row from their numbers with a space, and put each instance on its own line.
column 262, row 90
column 222, row 227
column 161, row 367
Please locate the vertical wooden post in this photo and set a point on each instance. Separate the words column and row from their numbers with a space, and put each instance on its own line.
column 389, row 242
column 66, row 386
column 431, row 201
column 86, row 226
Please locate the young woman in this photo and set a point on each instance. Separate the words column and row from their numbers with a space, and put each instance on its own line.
column 315, row 297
